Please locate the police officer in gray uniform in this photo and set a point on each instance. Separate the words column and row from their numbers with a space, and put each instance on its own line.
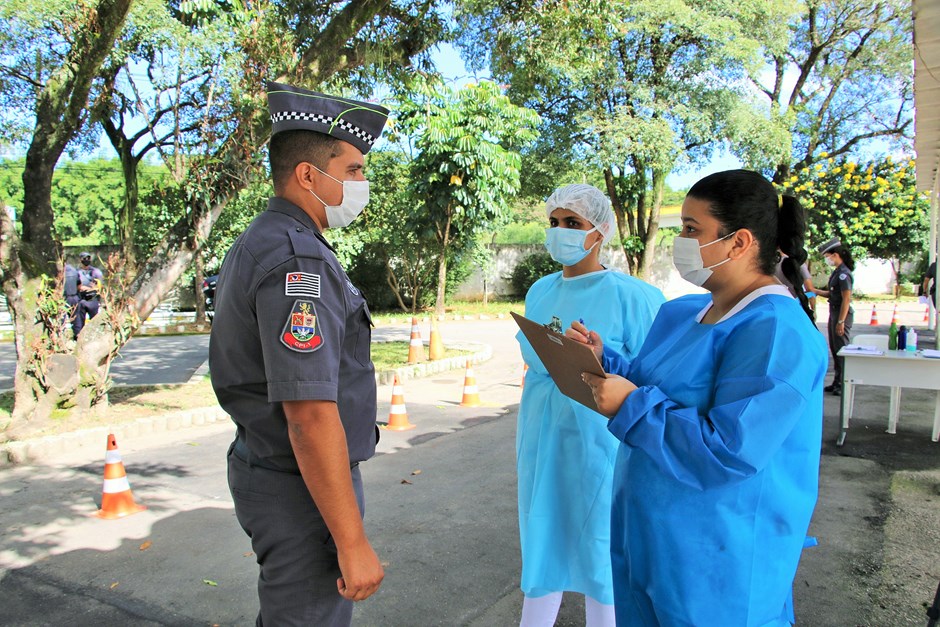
column 290, row 361
column 841, row 314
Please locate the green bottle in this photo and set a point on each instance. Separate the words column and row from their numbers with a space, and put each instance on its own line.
column 893, row 336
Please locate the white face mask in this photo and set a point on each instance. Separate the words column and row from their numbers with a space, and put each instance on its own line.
column 687, row 257
column 566, row 246
column 355, row 199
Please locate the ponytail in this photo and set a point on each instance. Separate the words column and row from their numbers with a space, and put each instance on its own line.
column 791, row 229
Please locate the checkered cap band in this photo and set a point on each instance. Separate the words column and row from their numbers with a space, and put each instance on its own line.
column 283, row 116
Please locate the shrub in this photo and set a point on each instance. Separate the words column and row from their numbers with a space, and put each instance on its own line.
column 532, row 268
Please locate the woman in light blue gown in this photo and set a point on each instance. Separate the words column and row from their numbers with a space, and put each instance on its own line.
column 565, row 455
column 720, row 421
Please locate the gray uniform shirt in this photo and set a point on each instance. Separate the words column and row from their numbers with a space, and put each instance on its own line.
column 289, row 325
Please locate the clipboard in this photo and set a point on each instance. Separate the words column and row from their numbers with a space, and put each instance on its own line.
column 564, row 358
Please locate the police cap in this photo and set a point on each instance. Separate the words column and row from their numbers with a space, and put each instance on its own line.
column 829, row 246
column 354, row 122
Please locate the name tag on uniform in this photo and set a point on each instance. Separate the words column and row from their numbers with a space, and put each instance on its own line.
column 302, row 284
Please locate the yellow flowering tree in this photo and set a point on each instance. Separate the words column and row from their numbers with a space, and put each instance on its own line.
column 873, row 207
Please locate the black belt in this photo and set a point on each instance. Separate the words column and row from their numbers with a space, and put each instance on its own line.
column 242, row 452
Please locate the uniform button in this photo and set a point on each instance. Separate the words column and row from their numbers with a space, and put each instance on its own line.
column 300, row 230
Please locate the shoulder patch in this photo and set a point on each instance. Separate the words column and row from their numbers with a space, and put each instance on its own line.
column 352, row 288
column 843, row 277
column 302, row 284
column 301, row 332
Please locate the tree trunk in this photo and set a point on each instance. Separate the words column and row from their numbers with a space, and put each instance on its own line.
column 59, row 108
column 200, row 273
column 443, row 238
column 651, row 227
column 42, row 249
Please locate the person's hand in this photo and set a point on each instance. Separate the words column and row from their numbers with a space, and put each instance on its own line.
column 609, row 393
column 840, row 329
column 362, row 572
column 580, row 333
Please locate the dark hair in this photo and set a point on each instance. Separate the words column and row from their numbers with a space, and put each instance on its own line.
column 288, row 149
column 845, row 254
column 742, row 199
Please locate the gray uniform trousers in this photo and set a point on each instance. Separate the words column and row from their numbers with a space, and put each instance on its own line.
column 836, row 342
column 293, row 547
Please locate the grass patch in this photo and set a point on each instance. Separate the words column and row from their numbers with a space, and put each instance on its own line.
column 391, row 355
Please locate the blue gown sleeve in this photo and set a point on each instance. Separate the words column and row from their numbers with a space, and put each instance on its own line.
column 615, row 362
column 758, row 399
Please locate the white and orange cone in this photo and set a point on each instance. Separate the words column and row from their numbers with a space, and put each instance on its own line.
column 874, row 317
column 116, row 498
column 415, row 347
column 525, row 369
column 436, row 347
column 471, row 394
column 398, row 414
column 894, row 315
column 926, row 313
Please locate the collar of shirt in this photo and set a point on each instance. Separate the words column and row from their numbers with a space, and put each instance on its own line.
column 288, row 208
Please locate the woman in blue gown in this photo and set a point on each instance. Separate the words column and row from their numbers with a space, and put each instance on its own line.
column 719, row 418
column 565, row 455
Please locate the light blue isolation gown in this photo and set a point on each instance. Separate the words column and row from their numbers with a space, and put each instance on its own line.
column 565, row 455
column 717, row 475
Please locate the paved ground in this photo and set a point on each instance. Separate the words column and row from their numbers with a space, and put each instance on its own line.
column 441, row 511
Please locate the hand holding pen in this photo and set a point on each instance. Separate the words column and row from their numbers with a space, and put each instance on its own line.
column 580, row 333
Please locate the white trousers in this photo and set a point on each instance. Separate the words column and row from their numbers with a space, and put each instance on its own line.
column 542, row 611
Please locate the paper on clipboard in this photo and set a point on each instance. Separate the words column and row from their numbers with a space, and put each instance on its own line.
column 564, row 358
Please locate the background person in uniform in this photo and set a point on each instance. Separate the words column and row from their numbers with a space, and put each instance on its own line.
column 841, row 314
column 290, row 360
column 564, row 453
column 89, row 282
column 720, row 419
column 930, row 283
column 70, row 291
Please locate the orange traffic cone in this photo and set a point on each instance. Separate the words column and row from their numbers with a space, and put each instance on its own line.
column 525, row 369
column 894, row 315
column 398, row 414
column 415, row 347
column 116, row 498
column 874, row 317
column 926, row 313
column 471, row 394
column 436, row 347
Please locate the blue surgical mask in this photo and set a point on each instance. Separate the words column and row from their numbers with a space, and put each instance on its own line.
column 566, row 246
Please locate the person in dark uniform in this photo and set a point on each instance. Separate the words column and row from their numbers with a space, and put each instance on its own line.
column 70, row 291
column 290, row 361
column 929, row 286
column 839, row 293
column 89, row 282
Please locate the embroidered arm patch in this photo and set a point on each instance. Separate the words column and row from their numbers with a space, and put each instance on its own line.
column 301, row 332
column 302, row 284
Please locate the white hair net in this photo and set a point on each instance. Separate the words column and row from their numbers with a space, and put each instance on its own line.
column 588, row 202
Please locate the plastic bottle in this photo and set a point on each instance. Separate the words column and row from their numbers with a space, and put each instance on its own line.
column 902, row 338
column 912, row 341
column 893, row 336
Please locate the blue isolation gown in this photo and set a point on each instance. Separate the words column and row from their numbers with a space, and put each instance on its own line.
column 565, row 455
column 717, row 475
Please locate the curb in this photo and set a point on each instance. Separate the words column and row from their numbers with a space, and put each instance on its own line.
column 50, row 447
